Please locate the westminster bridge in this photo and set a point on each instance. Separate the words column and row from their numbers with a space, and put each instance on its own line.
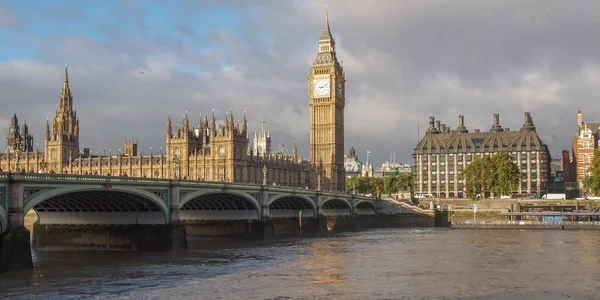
column 159, row 214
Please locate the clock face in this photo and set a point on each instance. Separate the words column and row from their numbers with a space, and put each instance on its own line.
column 322, row 87
column 340, row 87
column 222, row 150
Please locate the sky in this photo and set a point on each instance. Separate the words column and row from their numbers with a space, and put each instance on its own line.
column 403, row 59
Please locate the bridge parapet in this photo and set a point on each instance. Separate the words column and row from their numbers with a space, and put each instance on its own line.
column 79, row 179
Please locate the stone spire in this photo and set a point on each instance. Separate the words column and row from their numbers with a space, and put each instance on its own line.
column 65, row 102
column 326, row 34
column 213, row 126
column 47, row 130
column 169, row 127
column 295, row 153
column 244, row 126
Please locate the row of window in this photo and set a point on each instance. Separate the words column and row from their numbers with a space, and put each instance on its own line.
column 478, row 149
column 459, row 186
column 514, row 155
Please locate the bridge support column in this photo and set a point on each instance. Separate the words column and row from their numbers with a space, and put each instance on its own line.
column 321, row 218
column 264, row 204
column 178, row 230
column 353, row 205
column 15, row 244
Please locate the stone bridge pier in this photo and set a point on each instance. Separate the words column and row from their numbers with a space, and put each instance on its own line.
column 15, row 246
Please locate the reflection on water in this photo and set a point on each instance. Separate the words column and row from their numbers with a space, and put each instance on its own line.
column 390, row 263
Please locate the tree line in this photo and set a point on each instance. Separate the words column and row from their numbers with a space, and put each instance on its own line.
column 387, row 185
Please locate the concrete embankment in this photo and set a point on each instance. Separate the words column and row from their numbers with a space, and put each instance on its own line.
column 526, row 226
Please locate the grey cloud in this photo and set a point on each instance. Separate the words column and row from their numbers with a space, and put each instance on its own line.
column 403, row 59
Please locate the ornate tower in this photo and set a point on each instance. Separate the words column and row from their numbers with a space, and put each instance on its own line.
column 62, row 140
column 15, row 133
column 327, row 101
column 262, row 143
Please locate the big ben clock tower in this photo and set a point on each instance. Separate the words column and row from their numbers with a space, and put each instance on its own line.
column 327, row 101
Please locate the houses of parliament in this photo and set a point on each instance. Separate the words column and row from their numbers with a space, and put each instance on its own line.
column 208, row 151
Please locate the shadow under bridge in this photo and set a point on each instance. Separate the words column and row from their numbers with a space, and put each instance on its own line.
column 336, row 207
column 289, row 206
column 97, row 207
column 218, row 206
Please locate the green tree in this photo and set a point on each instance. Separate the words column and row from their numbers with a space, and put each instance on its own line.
column 591, row 182
column 506, row 175
column 405, row 182
column 390, row 185
column 375, row 186
column 361, row 184
column 477, row 176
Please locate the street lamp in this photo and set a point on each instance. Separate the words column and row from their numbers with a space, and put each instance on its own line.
column 18, row 148
column 43, row 165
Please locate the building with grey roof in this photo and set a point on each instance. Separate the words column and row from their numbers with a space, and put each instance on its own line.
column 442, row 153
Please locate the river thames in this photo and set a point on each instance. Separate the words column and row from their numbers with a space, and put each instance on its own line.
column 376, row 264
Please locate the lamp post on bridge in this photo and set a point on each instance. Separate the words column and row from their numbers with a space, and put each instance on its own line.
column 264, row 174
column 18, row 148
column 43, row 165
column 319, row 182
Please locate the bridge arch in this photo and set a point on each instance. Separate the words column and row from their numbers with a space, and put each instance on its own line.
column 365, row 207
column 285, row 205
column 336, row 207
column 219, row 205
column 98, row 205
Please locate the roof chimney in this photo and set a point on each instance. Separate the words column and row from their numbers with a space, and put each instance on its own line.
column 496, row 127
column 443, row 128
column 476, row 130
column 579, row 118
column 438, row 125
column 461, row 125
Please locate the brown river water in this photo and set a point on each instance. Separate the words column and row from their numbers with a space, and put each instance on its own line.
column 375, row 264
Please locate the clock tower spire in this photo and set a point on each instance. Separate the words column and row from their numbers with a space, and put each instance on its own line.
column 326, row 99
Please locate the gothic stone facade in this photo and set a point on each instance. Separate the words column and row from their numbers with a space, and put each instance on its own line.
column 442, row 154
column 211, row 151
